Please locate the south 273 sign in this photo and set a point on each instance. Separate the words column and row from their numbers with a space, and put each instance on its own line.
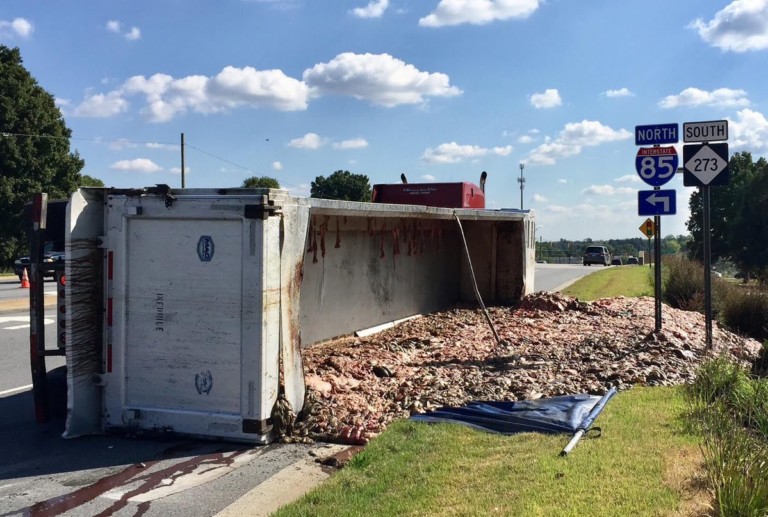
column 656, row 165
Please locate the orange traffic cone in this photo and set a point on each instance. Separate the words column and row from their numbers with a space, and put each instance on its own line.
column 24, row 280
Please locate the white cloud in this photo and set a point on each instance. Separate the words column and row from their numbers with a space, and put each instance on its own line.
column 539, row 198
column 164, row 147
column 628, row 178
column 231, row 88
column 741, row 26
column 478, row 12
column 525, row 139
column 749, row 131
column 563, row 181
column 133, row 34
column 277, row 166
column 355, row 143
column 101, row 105
column 177, row 170
column 378, row 78
column 138, row 165
column 374, row 9
column 308, row 141
column 608, row 190
column 573, row 137
column 550, row 98
column 116, row 27
column 236, row 86
column 428, row 177
column 621, row 92
column 720, row 98
column 20, row 27
column 455, row 153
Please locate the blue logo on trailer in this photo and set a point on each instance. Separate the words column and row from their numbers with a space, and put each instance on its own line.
column 656, row 165
column 656, row 202
column 205, row 248
column 656, row 134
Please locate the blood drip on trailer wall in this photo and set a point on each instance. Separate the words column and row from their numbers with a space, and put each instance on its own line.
column 360, row 272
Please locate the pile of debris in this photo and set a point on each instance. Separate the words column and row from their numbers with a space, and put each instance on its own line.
column 552, row 345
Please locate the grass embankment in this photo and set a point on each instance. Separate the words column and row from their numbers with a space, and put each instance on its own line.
column 645, row 463
column 616, row 281
column 639, row 466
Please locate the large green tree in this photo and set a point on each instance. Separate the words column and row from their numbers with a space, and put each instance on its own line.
column 260, row 182
column 34, row 151
column 738, row 216
column 342, row 185
column 90, row 181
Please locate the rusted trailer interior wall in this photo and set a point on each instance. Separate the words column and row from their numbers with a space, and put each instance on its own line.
column 364, row 271
column 498, row 255
column 360, row 271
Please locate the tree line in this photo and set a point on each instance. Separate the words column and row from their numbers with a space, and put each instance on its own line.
column 630, row 247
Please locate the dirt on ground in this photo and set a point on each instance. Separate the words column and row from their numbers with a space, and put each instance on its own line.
column 551, row 344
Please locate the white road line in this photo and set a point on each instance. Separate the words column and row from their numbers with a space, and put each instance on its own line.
column 15, row 390
column 20, row 319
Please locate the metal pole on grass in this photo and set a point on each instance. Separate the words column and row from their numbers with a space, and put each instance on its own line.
column 587, row 423
column 707, row 266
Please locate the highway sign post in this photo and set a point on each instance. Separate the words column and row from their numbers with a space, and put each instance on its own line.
column 656, row 202
column 712, row 131
column 705, row 165
column 656, row 134
column 647, row 228
column 656, row 166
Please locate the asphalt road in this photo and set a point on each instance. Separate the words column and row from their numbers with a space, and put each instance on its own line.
column 554, row 277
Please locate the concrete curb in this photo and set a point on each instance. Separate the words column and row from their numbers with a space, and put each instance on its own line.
column 286, row 486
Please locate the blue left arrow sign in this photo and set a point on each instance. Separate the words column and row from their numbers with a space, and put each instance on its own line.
column 656, row 202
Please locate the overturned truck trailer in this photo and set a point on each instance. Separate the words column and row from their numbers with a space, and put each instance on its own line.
column 187, row 309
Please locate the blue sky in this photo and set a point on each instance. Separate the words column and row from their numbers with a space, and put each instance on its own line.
column 437, row 89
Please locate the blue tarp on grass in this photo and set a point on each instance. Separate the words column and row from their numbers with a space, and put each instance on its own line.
column 563, row 414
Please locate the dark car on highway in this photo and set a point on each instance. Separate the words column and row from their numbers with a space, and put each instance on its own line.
column 596, row 255
column 616, row 261
column 632, row 260
column 50, row 260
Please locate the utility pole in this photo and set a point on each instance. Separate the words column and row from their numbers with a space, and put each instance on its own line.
column 183, row 183
column 521, row 180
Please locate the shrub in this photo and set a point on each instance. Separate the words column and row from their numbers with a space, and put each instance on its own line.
column 731, row 411
column 745, row 311
column 683, row 283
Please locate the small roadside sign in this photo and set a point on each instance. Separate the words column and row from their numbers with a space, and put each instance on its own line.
column 656, row 134
column 647, row 228
column 656, row 165
column 705, row 165
column 656, row 202
column 711, row 131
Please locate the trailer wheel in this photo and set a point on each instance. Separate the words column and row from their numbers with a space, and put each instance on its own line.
column 57, row 391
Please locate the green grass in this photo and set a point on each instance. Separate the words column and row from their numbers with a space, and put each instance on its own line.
column 639, row 466
column 616, row 281
column 729, row 407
